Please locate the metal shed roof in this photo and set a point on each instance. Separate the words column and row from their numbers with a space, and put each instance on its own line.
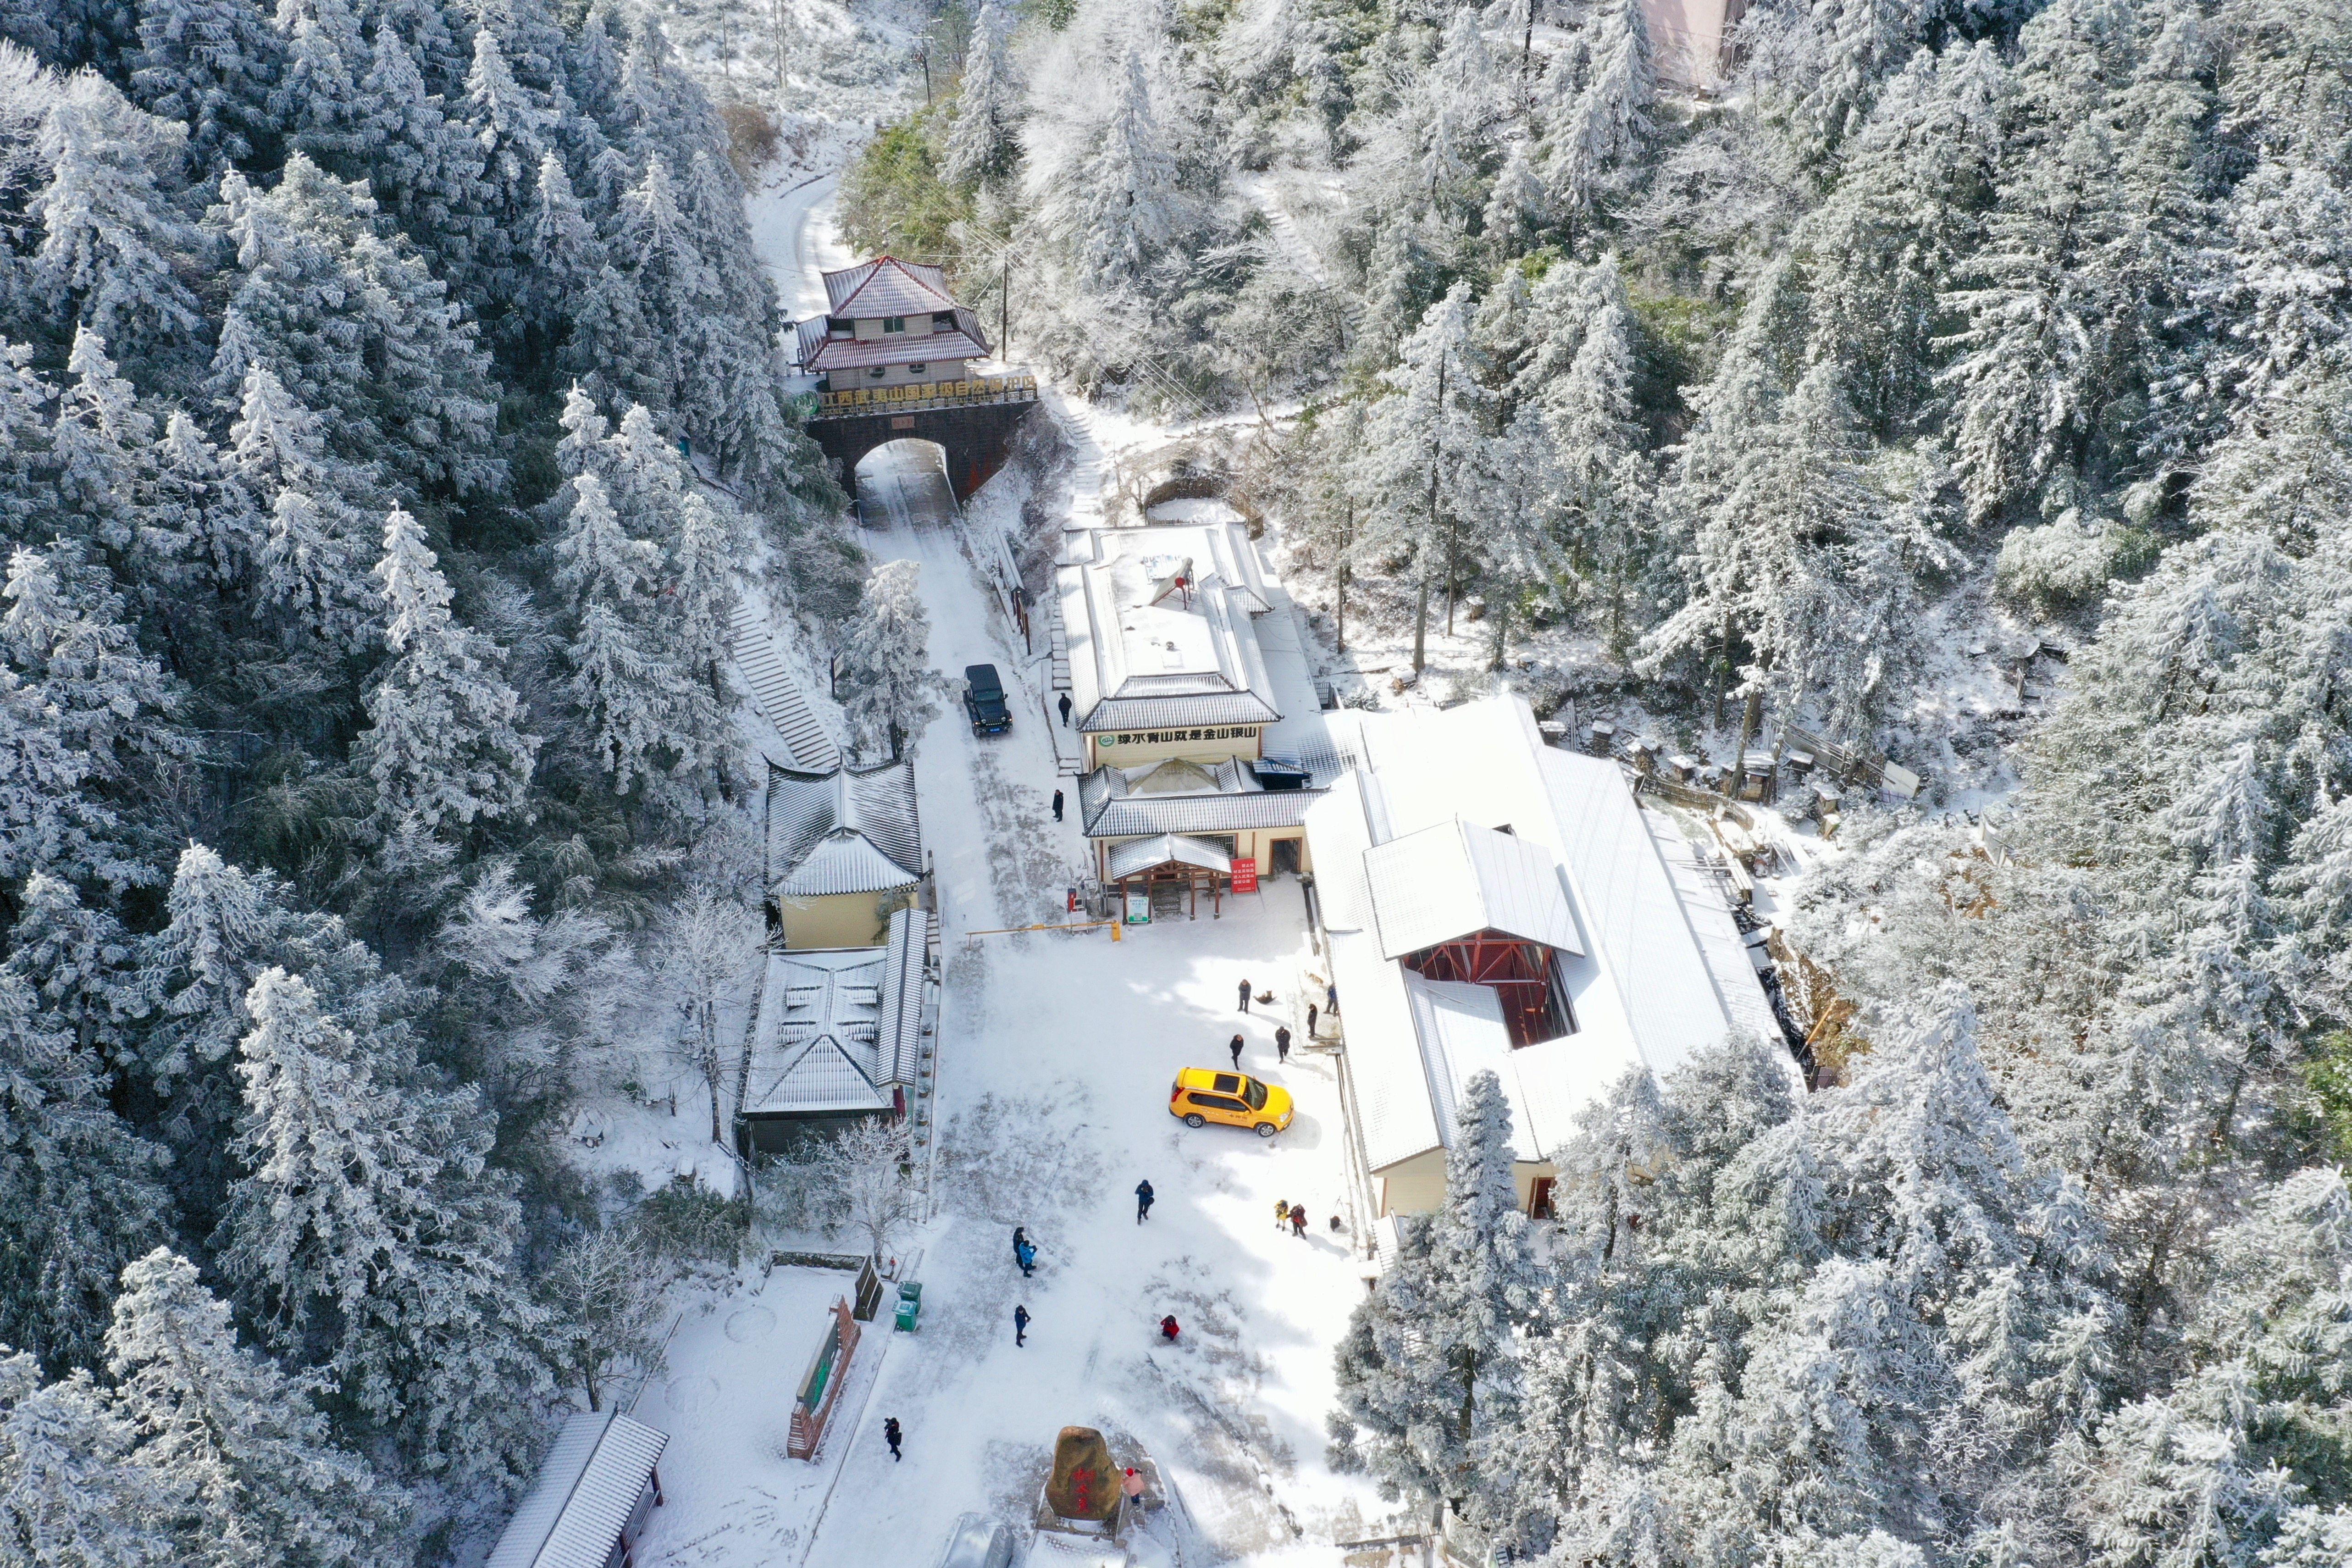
column 1168, row 849
column 848, row 831
column 574, row 1512
column 899, row 1034
column 1457, row 878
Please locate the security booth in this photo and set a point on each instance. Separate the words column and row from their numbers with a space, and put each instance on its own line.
column 1176, row 863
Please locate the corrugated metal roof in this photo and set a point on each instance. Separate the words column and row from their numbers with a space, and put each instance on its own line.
column 1638, row 925
column 848, row 831
column 1169, row 848
column 1458, row 879
column 819, row 1045
column 904, row 980
column 1720, row 944
column 1462, row 1034
column 887, row 286
column 587, row 1488
column 1121, row 714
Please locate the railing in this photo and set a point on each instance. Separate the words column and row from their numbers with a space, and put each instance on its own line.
column 926, row 394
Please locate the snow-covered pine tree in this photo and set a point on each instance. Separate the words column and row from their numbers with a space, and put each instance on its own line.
column 357, row 329
column 1607, row 124
column 510, row 128
column 1333, row 510
column 65, row 630
column 100, row 449
column 71, row 1493
column 619, row 687
column 368, row 1240
column 894, row 693
column 114, row 251
column 225, row 1428
column 319, row 100
column 215, row 65
column 420, row 166
column 1116, row 218
column 1423, row 441
column 81, row 967
column 983, row 140
column 1442, row 1384
column 80, row 1193
column 1604, row 478
column 444, row 743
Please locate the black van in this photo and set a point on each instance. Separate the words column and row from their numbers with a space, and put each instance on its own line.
column 983, row 698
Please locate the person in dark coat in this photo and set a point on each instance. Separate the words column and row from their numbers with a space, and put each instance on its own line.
column 1142, row 1200
column 1168, row 1328
column 1020, row 1325
column 891, row 1435
column 1057, row 805
column 1245, row 995
column 1235, row 1046
column 1020, row 1240
column 1331, row 999
column 1282, row 1044
column 1298, row 1220
column 1064, row 706
column 1310, row 1020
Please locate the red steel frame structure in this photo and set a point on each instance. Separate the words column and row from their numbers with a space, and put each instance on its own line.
column 1520, row 971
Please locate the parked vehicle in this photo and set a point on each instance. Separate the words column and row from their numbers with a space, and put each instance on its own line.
column 984, row 699
column 1202, row 1095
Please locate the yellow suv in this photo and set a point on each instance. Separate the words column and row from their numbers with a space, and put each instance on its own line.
column 1202, row 1095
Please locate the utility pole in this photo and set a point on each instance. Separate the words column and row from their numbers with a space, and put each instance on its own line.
column 1004, row 300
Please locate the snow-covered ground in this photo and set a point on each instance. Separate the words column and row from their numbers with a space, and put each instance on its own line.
column 1056, row 1050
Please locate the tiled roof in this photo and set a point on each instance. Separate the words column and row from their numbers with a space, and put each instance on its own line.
column 1158, row 630
column 1458, row 879
column 819, row 1041
column 1181, row 795
column 887, row 286
column 848, row 831
column 1196, row 813
column 829, row 354
column 574, row 1512
column 1169, row 848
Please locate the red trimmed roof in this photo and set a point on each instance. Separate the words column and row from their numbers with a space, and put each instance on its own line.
column 887, row 286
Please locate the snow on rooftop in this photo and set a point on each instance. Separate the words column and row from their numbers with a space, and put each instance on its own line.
column 1159, row 633
column 829, row 1033
column 1410, row 852
column 586, row 1489
column 848, row 831
column 1458, row 879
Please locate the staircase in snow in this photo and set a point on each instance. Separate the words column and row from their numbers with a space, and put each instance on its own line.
column 779, row 694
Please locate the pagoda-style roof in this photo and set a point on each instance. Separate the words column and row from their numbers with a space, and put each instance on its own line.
column 819, row 352
column 887, row 286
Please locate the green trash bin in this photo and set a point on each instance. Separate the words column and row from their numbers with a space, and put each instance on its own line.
column 911, row 1301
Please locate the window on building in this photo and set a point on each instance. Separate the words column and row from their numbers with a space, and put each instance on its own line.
column 916, row 368
column 840, row 327
column 877, row 373
column 894, row 324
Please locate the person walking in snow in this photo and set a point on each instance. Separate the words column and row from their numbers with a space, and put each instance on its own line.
column 1331, row 999
column 1298, row 1221
column 890, row 1434
column 1064, row 706
column 1235, row 1046
column 1168, row 1328
column 1057, row 805
column 1020, row 1326
column 1245, row 995
column 1142, row 1200
column 1026, row 1256
column 1020, row 1240
column 1282, row 1044
column 1310, row 1020
column 1281, row 1213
